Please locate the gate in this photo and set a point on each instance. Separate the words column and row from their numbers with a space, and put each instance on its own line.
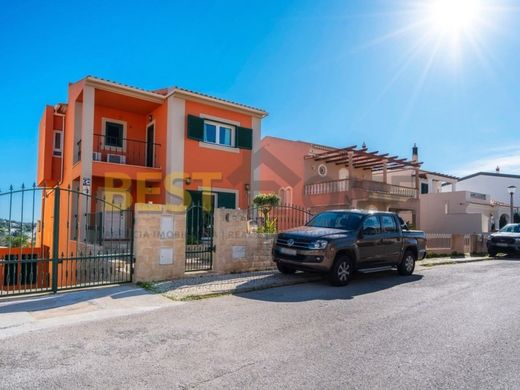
column 284, row 216
column 199, row 238
column 54, row 238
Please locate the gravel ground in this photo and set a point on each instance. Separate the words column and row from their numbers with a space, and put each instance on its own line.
column 198, row 286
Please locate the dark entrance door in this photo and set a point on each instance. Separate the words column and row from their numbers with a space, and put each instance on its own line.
column 150, row 152
column 199, row 232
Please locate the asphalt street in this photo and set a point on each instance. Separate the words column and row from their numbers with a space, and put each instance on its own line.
column 452, row 326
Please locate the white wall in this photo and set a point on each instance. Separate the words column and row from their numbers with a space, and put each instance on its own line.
column 495, row 186
column 455, row 213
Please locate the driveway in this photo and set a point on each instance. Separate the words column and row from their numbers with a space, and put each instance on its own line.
column 453, row 326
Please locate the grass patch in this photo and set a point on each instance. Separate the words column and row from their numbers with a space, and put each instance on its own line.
column 148, row 286
column 189, row 298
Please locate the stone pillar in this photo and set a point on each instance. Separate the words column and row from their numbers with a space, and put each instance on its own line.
column 159, row 243
column 457, row 243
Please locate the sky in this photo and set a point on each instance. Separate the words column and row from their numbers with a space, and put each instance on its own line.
column 387, row 73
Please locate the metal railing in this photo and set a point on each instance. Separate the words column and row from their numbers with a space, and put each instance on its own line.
column 285, row 216
column 122, row 151
column 333, row 186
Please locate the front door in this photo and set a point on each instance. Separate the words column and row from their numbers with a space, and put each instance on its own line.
column 150, row 145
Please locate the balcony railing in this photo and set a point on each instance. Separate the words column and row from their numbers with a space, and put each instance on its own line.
column 334, row 186
column 122, row 151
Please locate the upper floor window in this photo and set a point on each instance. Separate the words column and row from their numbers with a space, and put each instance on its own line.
column 425, row 188
column 58, row 143
column 212, row 131
column 220, row 134
column 114, row 133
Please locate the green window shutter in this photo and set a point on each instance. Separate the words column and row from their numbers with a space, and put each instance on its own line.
column 226, row 200
column 244, row 138
column 195, row 127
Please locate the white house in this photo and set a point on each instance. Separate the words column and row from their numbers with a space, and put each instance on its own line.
column 494, row 184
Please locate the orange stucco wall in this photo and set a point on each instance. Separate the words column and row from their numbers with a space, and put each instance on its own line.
column 282, row 165
column 232, row 169
column 48, row 169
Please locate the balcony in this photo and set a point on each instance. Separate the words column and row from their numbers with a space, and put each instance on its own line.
column 122, row 151
column 367, row 186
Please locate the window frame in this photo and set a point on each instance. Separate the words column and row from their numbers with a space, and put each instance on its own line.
column 383, row 229
column 57, row 151
column 104, row 122
column 378, row 221
column 218, row 126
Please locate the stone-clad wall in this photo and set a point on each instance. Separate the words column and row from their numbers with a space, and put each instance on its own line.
column 236, row 249
column 159, row 244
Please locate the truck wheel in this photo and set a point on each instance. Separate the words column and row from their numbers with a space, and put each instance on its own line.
column 407, row 265
column 341, row 271
column 492, row 252
column 284, row 269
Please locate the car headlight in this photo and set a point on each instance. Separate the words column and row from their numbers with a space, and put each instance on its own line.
column 319, row 244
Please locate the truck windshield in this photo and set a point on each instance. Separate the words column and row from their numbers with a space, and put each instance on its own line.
column 511, row 228
column 336, row 220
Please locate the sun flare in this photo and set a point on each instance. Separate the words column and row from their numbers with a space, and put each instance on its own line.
column 451, row 18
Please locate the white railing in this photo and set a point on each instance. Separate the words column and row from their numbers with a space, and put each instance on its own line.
column 333, row 186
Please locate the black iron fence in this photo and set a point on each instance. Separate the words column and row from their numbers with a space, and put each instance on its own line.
column 282, row 217
column 59, row 238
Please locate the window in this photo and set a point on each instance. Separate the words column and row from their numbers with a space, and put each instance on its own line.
column 371, row 225
column 388, row 223
column 58, row 146
column 114, row 134
column 218, row 133
column 336, row 220
column 424, row 188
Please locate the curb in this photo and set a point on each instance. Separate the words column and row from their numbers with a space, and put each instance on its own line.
column 238, row 289
column 454, row 261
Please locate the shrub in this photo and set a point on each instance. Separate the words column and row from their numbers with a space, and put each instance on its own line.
column 265, row 202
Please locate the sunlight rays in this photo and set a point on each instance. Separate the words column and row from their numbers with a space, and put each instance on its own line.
column 454, row 34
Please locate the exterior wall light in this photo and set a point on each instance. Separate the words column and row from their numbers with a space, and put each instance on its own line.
column 187, row 180
column 247, row 187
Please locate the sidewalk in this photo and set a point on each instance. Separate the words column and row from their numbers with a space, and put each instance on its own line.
column 207, row 285
column 24, row 314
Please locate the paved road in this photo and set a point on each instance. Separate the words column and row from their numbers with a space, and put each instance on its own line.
column 454, row 326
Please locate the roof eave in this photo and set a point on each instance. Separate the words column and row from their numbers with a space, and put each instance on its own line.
column 127, row 90
column 219, row 102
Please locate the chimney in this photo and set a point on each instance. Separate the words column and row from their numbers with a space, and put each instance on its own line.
column 415, row 153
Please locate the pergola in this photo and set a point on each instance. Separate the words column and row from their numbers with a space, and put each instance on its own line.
column 353, row 157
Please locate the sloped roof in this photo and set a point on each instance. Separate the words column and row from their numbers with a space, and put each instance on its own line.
column 165, row 92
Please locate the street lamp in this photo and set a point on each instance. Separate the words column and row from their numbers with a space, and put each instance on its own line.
column 511, row 190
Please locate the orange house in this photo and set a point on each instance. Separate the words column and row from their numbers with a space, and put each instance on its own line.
column 127, row 145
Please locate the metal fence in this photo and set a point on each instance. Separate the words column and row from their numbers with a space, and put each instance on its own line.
column 55, row 238
column 284, row 216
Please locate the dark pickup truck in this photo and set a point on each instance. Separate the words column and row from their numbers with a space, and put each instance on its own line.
column 339, row 242
column 506, row 240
